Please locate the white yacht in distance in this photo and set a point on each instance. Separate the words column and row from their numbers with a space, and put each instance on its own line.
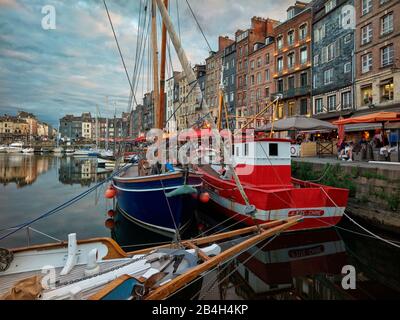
column 28, row 150
column 15, row 147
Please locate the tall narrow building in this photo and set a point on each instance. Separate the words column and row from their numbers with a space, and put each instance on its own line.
column 377, row 55
column 293, row 61
column 245, row 45
column 333, row 55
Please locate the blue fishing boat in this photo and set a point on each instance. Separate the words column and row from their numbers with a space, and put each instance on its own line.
column 164, row 201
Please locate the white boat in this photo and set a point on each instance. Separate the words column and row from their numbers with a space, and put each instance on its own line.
column 106, row 154
column 3, row 149
column 98, row 269
column 15, row 147
column 86, row 153
column 58, row 150
column 28, row 150
column 69, row 151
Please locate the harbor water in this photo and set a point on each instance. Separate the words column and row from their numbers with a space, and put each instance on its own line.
column 302, row 265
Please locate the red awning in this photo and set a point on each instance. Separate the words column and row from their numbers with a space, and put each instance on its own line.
column 371, row 118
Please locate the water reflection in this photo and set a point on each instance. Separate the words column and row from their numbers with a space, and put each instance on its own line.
column 294, row 266
column 21, row 169
column 81, row 171
column 303, row 265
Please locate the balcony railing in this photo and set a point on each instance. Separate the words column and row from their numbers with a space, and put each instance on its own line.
column 295, row 92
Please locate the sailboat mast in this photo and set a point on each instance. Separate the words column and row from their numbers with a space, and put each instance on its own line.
column 191, row 77
column 156, row 92
column 161, row 114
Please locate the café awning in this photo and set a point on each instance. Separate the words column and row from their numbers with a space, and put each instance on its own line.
column 371, row 118
column 298, row 123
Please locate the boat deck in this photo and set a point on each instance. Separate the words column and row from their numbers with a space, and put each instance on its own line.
column 78, row 272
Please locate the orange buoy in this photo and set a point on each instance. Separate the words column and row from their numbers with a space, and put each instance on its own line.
column 111, row 213
column 110, row 224
column 110, row 193
column 204, row 197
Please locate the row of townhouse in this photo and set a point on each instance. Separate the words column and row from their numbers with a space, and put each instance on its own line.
column 24, row 127
column 328, row 59
column 89, row 128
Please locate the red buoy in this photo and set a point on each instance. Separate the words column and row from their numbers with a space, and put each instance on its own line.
column 200, row 227
column 110, row 224
column 204, row 197
column 195, row 195
column 111, row 213
column 110, row 193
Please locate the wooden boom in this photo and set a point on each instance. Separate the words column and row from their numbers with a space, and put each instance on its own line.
column 167, row 289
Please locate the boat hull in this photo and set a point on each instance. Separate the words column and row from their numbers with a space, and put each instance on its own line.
column 321, row 206
column 144, row 201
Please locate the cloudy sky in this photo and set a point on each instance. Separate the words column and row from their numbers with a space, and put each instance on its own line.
column 74, row 67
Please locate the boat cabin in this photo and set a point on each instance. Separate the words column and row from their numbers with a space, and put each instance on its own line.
column 263, row 162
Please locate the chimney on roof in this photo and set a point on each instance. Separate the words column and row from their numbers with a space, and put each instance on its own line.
column 223, row 42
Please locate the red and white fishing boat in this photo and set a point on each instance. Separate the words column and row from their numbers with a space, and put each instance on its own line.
column 264, row 168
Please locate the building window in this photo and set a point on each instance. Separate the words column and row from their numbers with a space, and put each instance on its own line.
column 387, row 54
column 319, row 33
column 291, row 109
column 330, row 5
column 290, row 14
column 258, row 62
column 252, row 65
column 387, row 90
column 267, row 92
column 332, row 103
column 366, row 63
column 366, row 34
column 319, row 108
column 259, row 78
column 267, row 57
column 291, row 83
column 316, row 60
column 303, row 80
column 280, row 42
column 280, row 85
column 328, row 76
column 303, row 55
column 366, row 6
column 280, row 64
column 303, row 107
column 290, row 38
column 303, row 31
column 280, row 110
column 346, row 100
column 387, row 23
column 267, row 75
column 347, row 38
column 291, row 60
column 366, row 94
column 347, row 67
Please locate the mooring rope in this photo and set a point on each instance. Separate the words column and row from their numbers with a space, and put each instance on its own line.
column 359, row 225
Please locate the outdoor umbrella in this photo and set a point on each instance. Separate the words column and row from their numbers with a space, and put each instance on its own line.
column 299, row 123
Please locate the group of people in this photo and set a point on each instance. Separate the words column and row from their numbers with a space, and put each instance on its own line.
column 379, row 141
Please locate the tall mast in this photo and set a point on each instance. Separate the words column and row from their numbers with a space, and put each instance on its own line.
column 191, row 78
column 157, row 107
column 162, row 73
